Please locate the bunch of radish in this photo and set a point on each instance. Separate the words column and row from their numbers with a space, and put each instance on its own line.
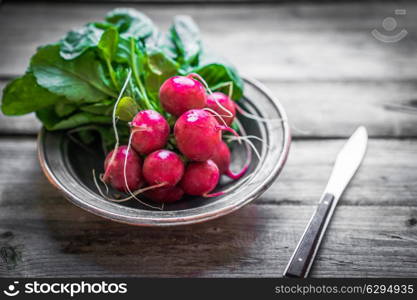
column 165, row 163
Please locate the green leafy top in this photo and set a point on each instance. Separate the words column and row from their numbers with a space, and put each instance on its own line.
column 74, row 83
column 131, row 23
column 77, row 41
column 24, row 95
column 80, row 79
column 185, row 36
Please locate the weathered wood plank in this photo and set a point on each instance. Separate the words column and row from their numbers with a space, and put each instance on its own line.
column 331, row 76
column 335, row 109
column 317, row 109
column 386, row 177
column 41, row 234
column 54, row 238
column 25, row 125
column 289, row 42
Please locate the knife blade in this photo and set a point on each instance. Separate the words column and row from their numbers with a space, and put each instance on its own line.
column 347, row 162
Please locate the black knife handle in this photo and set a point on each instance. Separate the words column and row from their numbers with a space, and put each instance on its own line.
column 304, row 254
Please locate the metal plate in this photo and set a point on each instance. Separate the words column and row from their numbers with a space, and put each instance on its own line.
column 69, row 166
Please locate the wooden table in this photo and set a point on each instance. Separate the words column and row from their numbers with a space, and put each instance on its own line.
column 330, row 73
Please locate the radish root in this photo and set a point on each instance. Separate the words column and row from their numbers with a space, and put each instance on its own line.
column 215, row 113
column 125, row 177
column 233, row 187
column 116, row 134
column 260, row 119
column 135, row 193
column 238, row 175
column 201, row 79
column 226, row 84
column 104, row 176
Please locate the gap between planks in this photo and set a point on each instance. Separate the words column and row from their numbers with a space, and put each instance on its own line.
column 386, row 178
column 297, row 41
column 318, row 109
column 62, row 240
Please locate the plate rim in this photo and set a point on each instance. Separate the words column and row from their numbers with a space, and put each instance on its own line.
column 174, row 220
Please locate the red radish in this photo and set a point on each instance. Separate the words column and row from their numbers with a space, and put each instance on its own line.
column 197, row 134
column 165, row 194
column 200, row 178
column 224, row 106
column 114, row 169
column 150, row 131
column 221, row 158
column 163, row 166
column 181, row 93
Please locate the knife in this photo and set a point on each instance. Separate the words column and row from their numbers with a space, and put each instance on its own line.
column 347, row 162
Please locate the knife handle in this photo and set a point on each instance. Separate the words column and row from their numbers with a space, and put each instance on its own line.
column 302, row 259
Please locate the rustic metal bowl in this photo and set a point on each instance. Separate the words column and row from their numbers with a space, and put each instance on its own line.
column 68, row 166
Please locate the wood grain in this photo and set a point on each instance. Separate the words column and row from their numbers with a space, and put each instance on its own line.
column 319, row 109
column 331, row 75
column 288, row 42
column 41, row 234
column 386, row 177
column 320, row 61
column 49, row 237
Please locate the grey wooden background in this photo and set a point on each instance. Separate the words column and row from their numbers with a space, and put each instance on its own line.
column 331, row 75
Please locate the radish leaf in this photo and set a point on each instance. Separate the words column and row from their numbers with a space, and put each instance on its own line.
column 76, row 42
column 131, row 23
column 185, row 36
column 24, row 95
column 80, row 79
column 52, row 121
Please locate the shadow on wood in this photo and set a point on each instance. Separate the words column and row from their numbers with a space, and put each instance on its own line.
column 189, row 250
